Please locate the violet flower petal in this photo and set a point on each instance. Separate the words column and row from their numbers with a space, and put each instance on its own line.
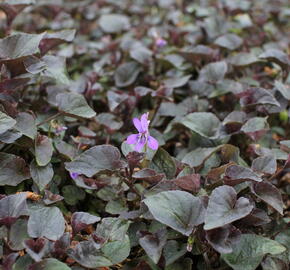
column 132, row 139
column 137, row 124
column 140, row 144
column 152, row 143
column 144, row 122
column 73, row 175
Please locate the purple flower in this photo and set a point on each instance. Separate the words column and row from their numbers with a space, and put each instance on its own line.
column 74, row 175
column 143, row 137
column 160, row 42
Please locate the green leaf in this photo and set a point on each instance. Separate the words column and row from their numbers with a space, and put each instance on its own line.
column 114, row 23
column 203, row 123
column 153, row 243
column 284, row 89
column 255, row 127
column 173, row 250
column 73, row 194
column 264, row 165
column 198, row 156
column 26, row 124
column 248, row 254
column 126, row 74
column 224, row 208
column 112, row 229
column 276, row 56
column 13, row 170
column 229, row 41
column 162, row 162
column 19, row 45
column 177, row 209
column 46, row 222
column 74, row 104
column 41, row 175
column 43, row 150
column 55, row 68
column 18, row 234
column 96, row 159
column 236, row 173
column 213, row 72
column 6, row 122
column 88, row 255
column 50, row 264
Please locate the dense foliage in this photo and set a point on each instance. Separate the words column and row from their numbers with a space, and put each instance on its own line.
column 83, row 188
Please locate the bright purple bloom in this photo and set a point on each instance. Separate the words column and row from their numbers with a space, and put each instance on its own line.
column 160, row 42
column 74, row 175
column 60, row 129
column 143, row 137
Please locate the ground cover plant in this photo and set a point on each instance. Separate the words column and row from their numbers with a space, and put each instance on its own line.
column 144, row 134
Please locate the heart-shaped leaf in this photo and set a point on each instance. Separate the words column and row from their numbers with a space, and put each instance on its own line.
column 264, row 165
column 26, row 125
column 224, row 208
column 74, row 104
column 269, row 194
column 41, row 175
column 248, row 254
column 162, row 162
column 6, row 122
column 12, row 207
column 43, row 150
column 203, row 123
column 153, row 243
column 13, row 170
column 114, row 23
column 236, row 174
column 177, row 209
column 19, row 45
column 96, row 159
column 46, row 222
column 126, row 74
column 224, row 239
column 81, row 220
column 229, row 41
column 88, row 255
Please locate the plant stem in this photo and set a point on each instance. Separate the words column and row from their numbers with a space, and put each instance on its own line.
column 49, row 119
column 131, row 186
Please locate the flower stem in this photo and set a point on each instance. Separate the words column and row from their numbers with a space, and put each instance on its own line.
column 49, row 118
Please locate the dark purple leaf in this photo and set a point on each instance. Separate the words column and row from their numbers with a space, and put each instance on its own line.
column 153, row 243
column 9, row 260
column 96, row 159
column 51, row 198
column 126, row 74
column 43, row 150
column 224, row 238
column 269, row 194
column 12, row 207
column 236, row 174
column 189, row 183
column 81, row 220
column 148, row 175
column 264, row 165
column 224, row 208
column 36, row 249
